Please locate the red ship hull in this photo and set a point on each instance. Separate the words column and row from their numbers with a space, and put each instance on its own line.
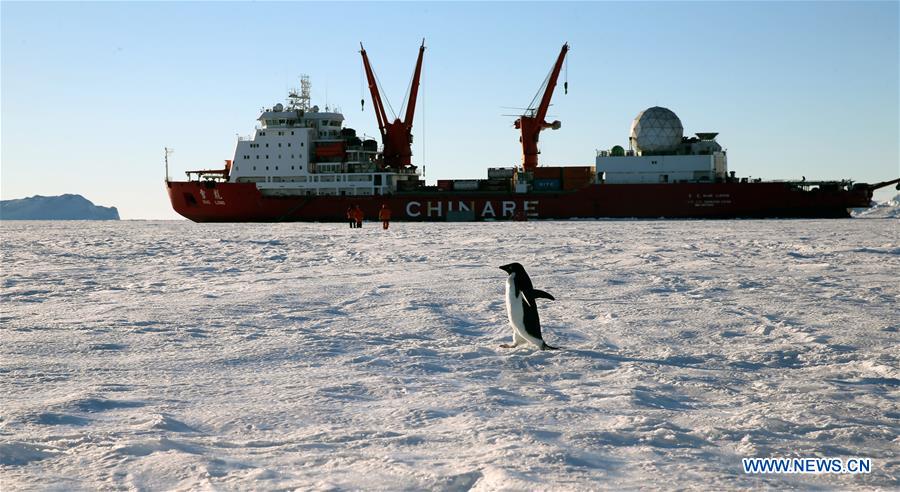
column 243, row 202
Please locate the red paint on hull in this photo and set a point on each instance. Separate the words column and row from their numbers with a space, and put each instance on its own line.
column 242, row 202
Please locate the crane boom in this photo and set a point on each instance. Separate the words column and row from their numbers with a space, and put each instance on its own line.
column 551, row 84
column 414, row 88
column 373, row 90
column 531, row 126
column 396, row 136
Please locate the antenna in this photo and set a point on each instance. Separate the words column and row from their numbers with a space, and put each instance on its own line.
column 300, row 99
column 168, row 153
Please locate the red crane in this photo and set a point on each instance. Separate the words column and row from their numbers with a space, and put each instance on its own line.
column 531, row 125
column 397, row 136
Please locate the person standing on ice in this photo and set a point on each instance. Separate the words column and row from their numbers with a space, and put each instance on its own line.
column 350, row 217
column 358, row 216
column 384, row 215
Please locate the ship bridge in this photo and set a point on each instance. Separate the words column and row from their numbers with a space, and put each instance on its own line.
column 298, row 150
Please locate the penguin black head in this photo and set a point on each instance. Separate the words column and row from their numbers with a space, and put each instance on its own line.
column 513, row 268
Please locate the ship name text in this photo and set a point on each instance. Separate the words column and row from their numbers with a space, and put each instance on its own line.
column 487, row 209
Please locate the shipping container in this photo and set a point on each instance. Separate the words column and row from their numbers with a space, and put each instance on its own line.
column 572, row 184
column 501, row 172
column 465, row 185
column 445, row 184
column 408, row 184
column 578, row 171
column 494, row 184
column 543, row 172
column 544, row 184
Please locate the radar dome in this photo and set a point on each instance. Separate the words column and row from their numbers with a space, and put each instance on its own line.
column 656, row 130
column 279, row 107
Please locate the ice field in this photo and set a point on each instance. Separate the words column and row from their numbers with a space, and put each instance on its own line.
column 174, row 355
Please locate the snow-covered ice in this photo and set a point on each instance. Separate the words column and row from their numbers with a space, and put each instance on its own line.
column 173, row 355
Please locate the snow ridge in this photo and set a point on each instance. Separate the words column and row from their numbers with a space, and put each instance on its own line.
column 888, row 209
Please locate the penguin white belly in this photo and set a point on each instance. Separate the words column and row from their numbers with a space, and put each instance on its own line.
column 516, row 314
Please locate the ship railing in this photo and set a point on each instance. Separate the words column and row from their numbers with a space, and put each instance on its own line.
column 356, row 167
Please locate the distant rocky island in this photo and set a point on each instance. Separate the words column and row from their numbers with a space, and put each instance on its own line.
column 64, row 207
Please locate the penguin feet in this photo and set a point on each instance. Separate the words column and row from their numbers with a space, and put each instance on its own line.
column 506, row 345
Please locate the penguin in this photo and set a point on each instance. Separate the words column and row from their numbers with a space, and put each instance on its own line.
column 521, row 307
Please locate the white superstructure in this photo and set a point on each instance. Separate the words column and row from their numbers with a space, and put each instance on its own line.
column 659, row 153
column 300, row 150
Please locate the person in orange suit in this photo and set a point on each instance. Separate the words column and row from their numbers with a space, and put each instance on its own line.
column 350, row 217
column 384, row 215
column 358, row 215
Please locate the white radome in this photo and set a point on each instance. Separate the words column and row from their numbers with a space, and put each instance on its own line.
column 656, row 129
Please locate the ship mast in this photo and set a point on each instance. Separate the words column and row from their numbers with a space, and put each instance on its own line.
column 168, row 153
column 300, row 99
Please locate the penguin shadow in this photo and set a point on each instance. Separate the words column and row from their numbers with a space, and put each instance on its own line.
column 599, row 360
column 683, row 361
column 454, row 322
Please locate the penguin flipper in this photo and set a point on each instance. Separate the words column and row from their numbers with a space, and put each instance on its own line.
column 541, row 294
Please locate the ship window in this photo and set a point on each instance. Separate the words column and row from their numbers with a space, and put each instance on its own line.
column 267, row 156
column 292, row 168
column 254, row 168
column 289, row 144
column 301, row 144
column 267, row 145
column 279, row 144
column 292, row 133
column 279, row 156
column 292, row 156
column 267, row 168
column 276, row 168
column 257, row 156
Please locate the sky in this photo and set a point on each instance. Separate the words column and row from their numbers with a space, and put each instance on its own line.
column 91, row 93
